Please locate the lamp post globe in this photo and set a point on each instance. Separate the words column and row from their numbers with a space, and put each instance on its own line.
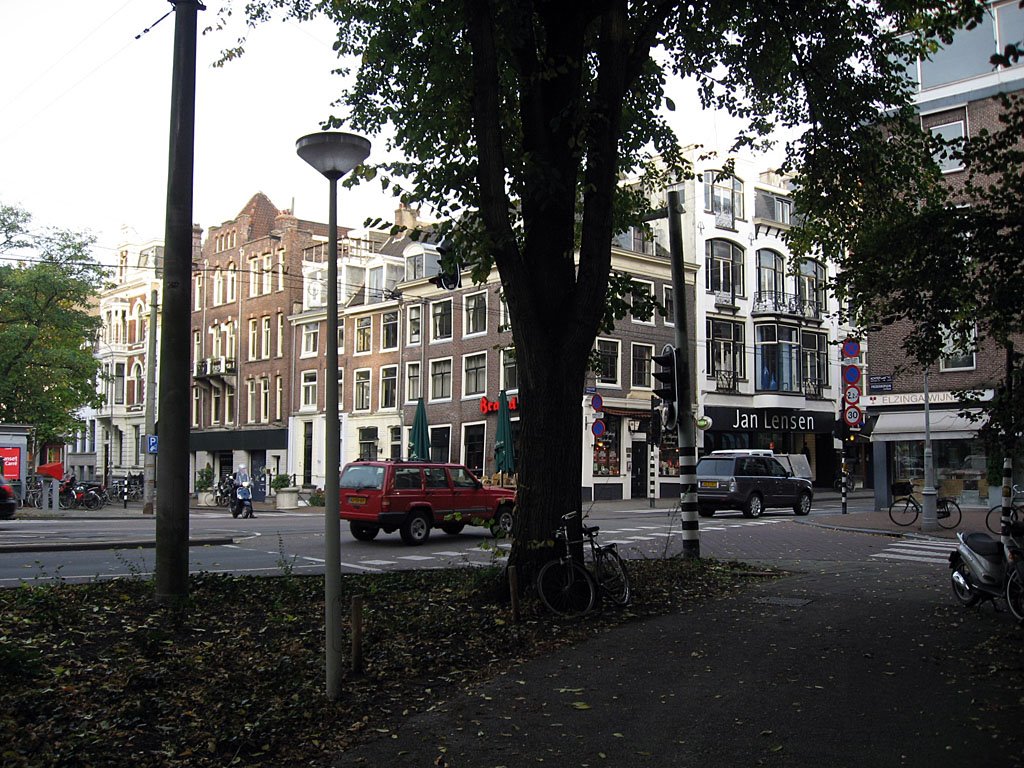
column 332, row 154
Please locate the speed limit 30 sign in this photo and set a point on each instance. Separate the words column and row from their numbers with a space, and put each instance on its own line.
column 851, row 415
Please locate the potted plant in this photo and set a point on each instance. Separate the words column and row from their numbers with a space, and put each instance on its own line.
column 204, row 486
column 286, row 494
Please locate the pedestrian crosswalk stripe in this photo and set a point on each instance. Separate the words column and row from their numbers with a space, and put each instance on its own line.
column 933, row 553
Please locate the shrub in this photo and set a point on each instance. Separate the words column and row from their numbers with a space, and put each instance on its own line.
column 281, row 481
column 317, row 498
column 204, row 478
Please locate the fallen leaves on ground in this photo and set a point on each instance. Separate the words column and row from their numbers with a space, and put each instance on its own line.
column 97, row 674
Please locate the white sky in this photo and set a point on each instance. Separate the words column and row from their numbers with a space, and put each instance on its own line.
column 84, row 130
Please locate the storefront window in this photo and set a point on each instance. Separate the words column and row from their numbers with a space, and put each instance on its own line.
column 668, row 454
column 960, row 468
column 606, row 448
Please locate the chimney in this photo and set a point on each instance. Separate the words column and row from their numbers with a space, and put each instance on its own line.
column 406, row 216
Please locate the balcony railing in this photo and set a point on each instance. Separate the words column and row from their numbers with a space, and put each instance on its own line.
column 780, row 303
column 813, row 389
column 726, row 381
column 212, row 367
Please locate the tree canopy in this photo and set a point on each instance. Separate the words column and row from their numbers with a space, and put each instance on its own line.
column 517, row 119
column 48, row 282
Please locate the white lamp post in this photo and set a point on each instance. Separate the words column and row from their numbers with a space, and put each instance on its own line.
column 332, row 154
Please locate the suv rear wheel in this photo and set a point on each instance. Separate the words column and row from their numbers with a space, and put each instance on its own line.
column 755, row 506
column 416, row 528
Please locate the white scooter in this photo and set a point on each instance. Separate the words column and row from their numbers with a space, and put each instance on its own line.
column 984, row 568
column 242, row 506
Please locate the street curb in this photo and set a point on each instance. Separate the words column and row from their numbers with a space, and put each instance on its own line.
column 68, row 546
column 875, row 531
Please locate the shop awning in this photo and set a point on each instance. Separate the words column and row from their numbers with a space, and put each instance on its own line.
column 909, row 425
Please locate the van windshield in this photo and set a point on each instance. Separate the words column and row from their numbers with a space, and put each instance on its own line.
column 708, row 467
column 356, row 476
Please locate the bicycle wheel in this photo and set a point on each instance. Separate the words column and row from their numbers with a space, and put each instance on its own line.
column 951, row 518
column 566, row 588
column 611, row 575
column 903, row 511
column 993, row 520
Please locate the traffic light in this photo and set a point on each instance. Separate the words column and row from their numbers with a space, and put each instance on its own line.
column 448, row 282
column 667, row 383
column 449, row 276
column 841, row 430
column 654, row 435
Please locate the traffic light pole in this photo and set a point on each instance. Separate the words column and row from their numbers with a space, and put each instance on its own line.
column 686, row 431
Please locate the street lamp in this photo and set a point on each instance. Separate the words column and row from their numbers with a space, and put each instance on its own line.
column 333, row 155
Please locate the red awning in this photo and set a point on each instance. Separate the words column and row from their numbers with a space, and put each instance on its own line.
column 54, row 470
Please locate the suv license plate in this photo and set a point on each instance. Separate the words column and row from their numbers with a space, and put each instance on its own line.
column 708, row 483
column 357, row 501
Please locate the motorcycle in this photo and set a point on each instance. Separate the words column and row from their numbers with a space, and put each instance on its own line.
column 222, row 496
column 242, row 506
column 984, row 568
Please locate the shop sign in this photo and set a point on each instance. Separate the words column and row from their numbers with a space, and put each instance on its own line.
column 491, row 406
column 768, row 419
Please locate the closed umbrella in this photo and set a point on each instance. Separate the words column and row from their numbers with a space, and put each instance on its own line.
column 419, row 445
column 504, row 451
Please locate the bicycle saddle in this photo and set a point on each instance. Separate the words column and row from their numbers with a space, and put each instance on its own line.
column 590, row 529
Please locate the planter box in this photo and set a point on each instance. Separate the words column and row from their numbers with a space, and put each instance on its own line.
column 207, row 498
column 287, row 498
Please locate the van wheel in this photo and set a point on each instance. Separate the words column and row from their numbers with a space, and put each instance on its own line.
column 416, row 529
column 755, row 506
column 803, row 505
column 363, row 532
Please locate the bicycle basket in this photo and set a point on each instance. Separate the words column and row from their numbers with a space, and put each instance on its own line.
column 902, row 488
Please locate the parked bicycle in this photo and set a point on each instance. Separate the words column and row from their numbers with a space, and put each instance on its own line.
column 570, row 589
column 994, row 516
column 905, row 509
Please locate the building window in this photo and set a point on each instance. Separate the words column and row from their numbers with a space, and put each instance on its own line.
column 646, row 288
column 608, row 362
column 254, row 276
column 250, row 415
column 475, row 320
column 814, row 354
column 280, row 334
column 509, row 369
column 473, row 447
column 268, row 273
column 364, row 334
column 440, row 446
column 723, row 196
column 265, row 340
column 606, row 448
column 641, row 368
column 367, row 443
column 196, row 406
column 197, row 346
column 362, row 390
column 231, row 284
column 341, row 388
column 810, row 286
column 415, row 314
column 310, row 339
column 777, row 358
column 441, row 379
column 278, row 397
column 723, row 268
column 669, row 300
column 389, row 386
column 441, row 320
column 725, row 351
column 309, row 390
column 215, row 405
column 474, row 374
column 229, row 405
column 218, row 287
column 389, row 331
column 783, row 210
column 264, row 400
column 771, row 276
column 119, row 383
column 197, row 292
column 395, row 434
column 952, row 134
column 958, row 351
column 413, row 385
column 254, row 338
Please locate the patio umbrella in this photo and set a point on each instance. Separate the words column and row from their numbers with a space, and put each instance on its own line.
column 504, row 451
column 419, row 445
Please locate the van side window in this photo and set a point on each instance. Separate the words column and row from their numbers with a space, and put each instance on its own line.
column 775, row 469
column 751, row 467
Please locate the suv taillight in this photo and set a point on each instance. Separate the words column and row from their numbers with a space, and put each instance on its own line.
column 385, row 504
column 732, row 485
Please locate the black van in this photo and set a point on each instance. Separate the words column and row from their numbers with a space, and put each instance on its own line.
column 750, row 481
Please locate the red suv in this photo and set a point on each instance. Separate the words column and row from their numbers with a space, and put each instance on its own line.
column 412, row 497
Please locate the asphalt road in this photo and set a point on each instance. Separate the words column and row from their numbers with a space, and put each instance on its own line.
column 274, row 542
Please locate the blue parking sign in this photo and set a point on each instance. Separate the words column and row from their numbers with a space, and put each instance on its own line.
column 151, row 443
